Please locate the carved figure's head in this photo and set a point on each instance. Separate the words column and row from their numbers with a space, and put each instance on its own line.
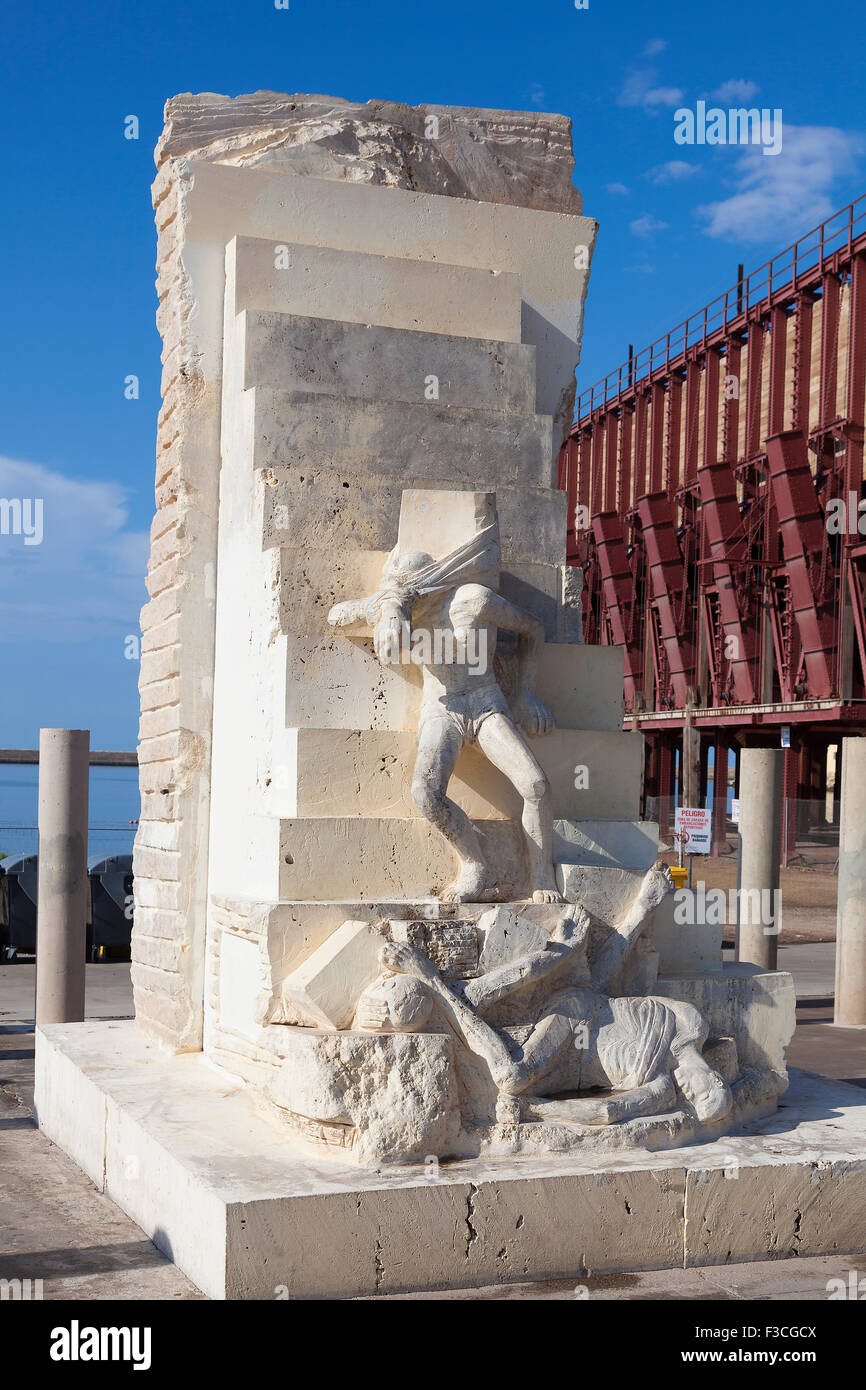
column 708, row 1095
column 400, row 569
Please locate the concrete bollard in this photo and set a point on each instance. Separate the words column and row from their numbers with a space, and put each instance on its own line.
column 850, row 1010
column 61, row 928
column 761, row 806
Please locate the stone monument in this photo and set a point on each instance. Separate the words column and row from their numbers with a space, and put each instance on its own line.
column 403, row 954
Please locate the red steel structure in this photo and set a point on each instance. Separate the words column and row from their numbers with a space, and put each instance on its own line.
column 714, row 482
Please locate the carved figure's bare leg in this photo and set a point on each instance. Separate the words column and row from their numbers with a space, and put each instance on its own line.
column 649, row 1099
column 502, row 742
column 657, row 882
column 439, row 744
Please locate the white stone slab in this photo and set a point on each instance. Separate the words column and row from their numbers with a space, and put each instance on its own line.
column 423, row 442
column 369, row 362
column 388, row 291
column 507, row 935
column 355, row 772
column 326, row 987
column 610, row 842
column 180, row 1147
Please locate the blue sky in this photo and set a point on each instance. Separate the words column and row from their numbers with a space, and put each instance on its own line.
column 78, row 298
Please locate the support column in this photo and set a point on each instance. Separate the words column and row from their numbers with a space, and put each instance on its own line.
column 61, row 931
column 761, row 782
column 665, row 757
column 850, row 1008
column 690, row 782
column 791, row 796
column 720, row 796
column 651, row 778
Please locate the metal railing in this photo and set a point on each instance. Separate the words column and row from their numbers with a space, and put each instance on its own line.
column 101, row 840
column 785, row 272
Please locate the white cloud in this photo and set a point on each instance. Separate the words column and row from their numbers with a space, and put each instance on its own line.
column 662, row 96
column 619, row 190
column 537, row 95
column 640, row 88
column 674, row 171
column 647, row 224
column 737, row 89
column 86, row 577
column 780, row 197
column 643, row 268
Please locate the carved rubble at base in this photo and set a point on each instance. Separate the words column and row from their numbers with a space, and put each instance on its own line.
column 494, row 1033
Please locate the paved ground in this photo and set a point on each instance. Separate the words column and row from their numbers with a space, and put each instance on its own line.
column 55, row 1226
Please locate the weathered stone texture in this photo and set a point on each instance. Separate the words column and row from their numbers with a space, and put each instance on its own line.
column 522, row 160
column 516, row 157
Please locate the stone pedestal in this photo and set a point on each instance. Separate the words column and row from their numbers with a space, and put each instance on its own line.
column 182, row 1149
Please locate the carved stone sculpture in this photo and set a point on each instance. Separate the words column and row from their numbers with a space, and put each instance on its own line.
column 646, row 1049
column 456, row 619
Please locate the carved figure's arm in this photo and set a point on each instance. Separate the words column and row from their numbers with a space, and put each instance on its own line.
column 389, row 619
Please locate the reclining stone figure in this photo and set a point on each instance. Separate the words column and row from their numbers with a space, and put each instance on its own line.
column 645, row 1048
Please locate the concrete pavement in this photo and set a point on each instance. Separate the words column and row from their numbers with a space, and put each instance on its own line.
column 57, row 1227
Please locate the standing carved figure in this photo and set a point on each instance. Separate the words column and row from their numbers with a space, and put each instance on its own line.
column 452, row 623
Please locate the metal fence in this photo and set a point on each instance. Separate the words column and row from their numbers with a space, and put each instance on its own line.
column 810, row 829
column 101, row 840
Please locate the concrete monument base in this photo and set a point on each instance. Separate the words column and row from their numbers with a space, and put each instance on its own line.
column 181, row 1147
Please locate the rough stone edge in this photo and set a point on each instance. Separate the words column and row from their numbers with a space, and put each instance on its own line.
column 471, row 159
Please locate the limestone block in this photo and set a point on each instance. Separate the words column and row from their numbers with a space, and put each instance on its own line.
column 345, row 857
column 788, row 1207
column 323, row 509
column 375, row 1097
column 388, row 291
column 611, row 842
column 439, row 521
column 507, row 934
column 520, row 158
column 572, row 604
column 755, row 1007
column 292, row 352
column 348, row 686
column 539, row 246
column 604, row 892
column 244, row 983
column 342, row 772
column 685, row 947
column 421, row 442
column 582, row 686
column 326, row 987
column 537, row 590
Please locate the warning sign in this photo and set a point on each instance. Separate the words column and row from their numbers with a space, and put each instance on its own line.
column 692, row 829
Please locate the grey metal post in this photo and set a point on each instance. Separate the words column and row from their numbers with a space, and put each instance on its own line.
column 850, row 1010
column 61, row 933
column 761, row 806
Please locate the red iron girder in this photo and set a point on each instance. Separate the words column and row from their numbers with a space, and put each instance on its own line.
column 618, row 594
column 827, row 248
column 804, row 538
column 666, row 569
column 722, row 530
